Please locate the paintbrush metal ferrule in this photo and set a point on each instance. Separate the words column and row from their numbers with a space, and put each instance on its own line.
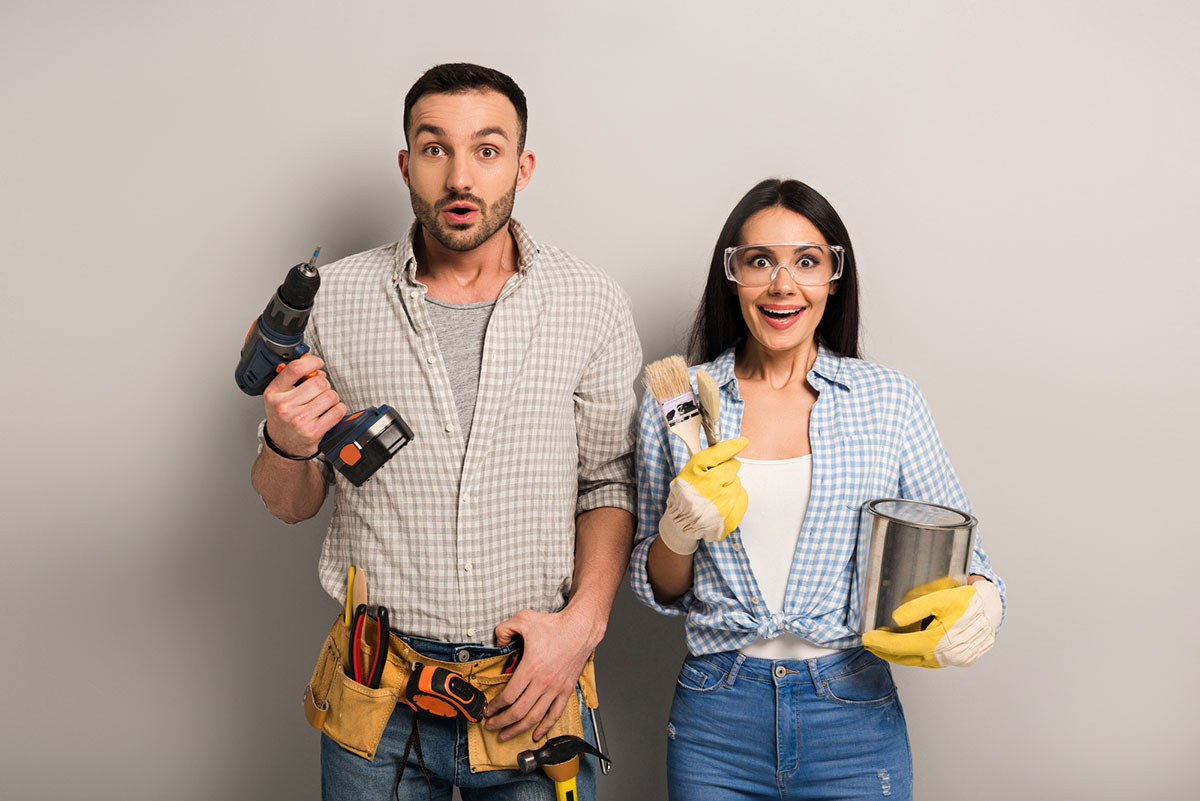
column 680, row 408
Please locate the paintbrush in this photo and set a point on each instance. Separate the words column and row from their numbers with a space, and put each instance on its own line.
column 667, row 380
column 710, row 406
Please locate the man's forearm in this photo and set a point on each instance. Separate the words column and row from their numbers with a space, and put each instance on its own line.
column 603, row 541
column 292, row 491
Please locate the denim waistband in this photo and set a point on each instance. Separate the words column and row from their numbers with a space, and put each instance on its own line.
column 737, row 665
column 456, row 651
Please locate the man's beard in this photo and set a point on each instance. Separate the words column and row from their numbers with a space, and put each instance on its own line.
column 491, row 219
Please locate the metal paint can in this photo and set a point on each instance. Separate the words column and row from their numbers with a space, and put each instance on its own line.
column 903, row 544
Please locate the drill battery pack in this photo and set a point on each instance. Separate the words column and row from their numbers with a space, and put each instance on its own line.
column 360, row 444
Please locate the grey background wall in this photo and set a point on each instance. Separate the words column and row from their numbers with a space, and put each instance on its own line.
column 1020, row 182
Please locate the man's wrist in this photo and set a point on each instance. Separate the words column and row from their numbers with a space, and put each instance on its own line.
column 589, row 617
column 270, row 443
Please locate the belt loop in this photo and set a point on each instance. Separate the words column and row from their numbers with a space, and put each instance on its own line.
column 815, row 675
column 731, row 676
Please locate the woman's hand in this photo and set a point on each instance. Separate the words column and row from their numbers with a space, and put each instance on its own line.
column 706, row 500
column 962, row 628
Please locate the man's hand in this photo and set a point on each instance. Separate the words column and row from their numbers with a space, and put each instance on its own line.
column 299, row 415
column 556, row 649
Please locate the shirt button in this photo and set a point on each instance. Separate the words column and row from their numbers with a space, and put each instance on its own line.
column 414, row 294
column 737, row 546
column 467, row 567
column 470, row 632
column 449, row 427
column 466, row 497
column 431, row 359
column 754, row 600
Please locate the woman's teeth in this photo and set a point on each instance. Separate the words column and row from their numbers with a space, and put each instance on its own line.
column 780, row 314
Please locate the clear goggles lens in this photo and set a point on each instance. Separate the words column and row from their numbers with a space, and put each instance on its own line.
column 809, row 264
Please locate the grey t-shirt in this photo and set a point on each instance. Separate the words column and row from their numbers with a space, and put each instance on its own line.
column 460, row 332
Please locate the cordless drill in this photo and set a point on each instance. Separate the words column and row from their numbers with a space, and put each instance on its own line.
column 362, row 442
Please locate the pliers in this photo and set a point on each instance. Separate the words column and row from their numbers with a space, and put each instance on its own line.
column 369, row 675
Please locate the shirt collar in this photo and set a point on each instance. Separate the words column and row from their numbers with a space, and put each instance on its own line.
column 405, row 269
column 829, row 367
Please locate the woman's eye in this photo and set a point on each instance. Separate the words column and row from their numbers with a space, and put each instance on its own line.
column 760, row 263
column 807, row 263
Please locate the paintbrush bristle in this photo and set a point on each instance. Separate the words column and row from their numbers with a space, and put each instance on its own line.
column 667, row 378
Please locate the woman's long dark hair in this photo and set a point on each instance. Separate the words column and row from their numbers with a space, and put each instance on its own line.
column 719, row 322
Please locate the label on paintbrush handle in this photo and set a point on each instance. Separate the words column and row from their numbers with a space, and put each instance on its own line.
column 681, row 407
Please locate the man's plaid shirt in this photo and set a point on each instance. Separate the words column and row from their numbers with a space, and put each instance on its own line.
column 455, row 536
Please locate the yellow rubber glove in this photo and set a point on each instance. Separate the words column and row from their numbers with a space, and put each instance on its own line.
column 706, row 500
column 962, row 629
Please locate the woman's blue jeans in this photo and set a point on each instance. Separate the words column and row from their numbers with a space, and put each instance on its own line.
column 348, row 777
column 745, row 728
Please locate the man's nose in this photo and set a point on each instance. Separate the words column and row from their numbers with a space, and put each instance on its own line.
column 460, row 178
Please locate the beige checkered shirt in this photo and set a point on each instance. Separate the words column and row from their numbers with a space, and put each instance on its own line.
column 456, row 536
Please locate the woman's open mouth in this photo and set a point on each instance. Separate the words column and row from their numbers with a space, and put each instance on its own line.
column 780, row 316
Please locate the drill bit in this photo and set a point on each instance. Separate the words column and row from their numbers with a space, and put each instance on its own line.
column 310, row 269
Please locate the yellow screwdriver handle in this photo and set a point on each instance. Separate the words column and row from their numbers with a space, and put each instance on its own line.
column 349, row 595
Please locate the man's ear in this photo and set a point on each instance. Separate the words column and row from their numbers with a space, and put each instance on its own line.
column 525, row 164
column 403, row 159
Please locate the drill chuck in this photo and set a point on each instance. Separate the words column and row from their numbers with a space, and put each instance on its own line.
column 300, row 287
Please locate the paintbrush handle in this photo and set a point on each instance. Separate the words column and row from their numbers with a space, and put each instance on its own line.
column 688, row 430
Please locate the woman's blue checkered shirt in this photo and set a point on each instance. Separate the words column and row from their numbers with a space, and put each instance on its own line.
column 872, row 437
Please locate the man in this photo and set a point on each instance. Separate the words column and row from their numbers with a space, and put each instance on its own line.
column 509, row 517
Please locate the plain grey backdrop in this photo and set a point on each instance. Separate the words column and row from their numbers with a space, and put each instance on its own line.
column 1020, row 183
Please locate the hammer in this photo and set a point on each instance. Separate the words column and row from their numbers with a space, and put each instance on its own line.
column 559, row 758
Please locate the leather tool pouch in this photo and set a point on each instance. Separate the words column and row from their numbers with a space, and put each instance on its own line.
column 355, row 716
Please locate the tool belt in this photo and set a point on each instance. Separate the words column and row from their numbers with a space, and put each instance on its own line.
column 354, row 715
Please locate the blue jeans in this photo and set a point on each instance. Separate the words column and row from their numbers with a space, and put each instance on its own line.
column 348, row 777
column 825, row 728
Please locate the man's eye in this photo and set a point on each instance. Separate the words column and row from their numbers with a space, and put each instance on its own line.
column 488, row 152
column 433, row 150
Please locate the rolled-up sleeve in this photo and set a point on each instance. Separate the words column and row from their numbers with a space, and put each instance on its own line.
column 926, row 474
column 654, row 474
column 605, row 404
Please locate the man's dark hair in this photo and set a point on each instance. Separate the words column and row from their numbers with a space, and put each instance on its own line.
column 455, row 79
column 719, row 321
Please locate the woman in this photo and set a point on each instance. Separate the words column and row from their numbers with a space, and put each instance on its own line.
column 777, row 696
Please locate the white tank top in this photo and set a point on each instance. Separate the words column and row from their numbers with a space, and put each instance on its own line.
column 779, row 492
